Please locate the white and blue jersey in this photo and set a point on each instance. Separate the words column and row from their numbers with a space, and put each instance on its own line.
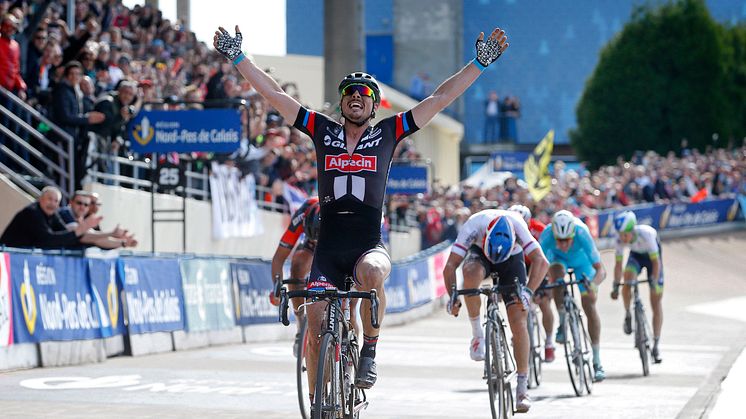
column 581, row 256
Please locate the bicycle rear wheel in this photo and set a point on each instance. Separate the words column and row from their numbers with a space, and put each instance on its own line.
column 300, row 372
column 642, row 340
column 355, row 397
column 509, row 367
column 573, row 352
column 328, row 387
column 494, row 372
column 534, row 360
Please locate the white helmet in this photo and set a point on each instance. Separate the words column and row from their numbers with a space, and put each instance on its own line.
column 625, row 221
column 523, row 210
column 563, row 225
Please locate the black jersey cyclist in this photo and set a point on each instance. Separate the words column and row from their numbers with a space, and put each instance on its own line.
column 353, row 160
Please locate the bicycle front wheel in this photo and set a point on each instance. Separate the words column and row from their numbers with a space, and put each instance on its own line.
column 534, row 360
column 642, row 340
column 300, row 371
column 494, row 372
column 328, row 386
column 574, row 352
column 587, row 356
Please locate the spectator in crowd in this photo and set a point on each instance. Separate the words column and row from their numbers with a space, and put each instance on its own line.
column 39, row 225
column 42, row 81
column 10, row 57
column 491, row 118
column 34, row 54
column 77, row 211
column 117, row 108
column 510, row 111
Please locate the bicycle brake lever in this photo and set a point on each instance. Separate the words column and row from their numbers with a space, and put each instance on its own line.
column 278, row 285
column 374, row 309
column 284, row 308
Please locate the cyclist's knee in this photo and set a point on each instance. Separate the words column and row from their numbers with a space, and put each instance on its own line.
column 556, row 271
column 473, row 274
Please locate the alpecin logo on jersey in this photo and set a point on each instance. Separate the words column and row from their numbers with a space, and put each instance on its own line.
column 350, row 163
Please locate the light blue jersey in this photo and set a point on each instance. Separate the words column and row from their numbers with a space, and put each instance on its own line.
column 580, row 256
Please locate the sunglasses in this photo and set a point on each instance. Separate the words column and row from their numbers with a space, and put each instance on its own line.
column 361, row 89
column 564, row 240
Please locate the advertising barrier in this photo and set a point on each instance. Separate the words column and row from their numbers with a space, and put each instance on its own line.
column 216, row 130
column 208, row 299
column 52, row 299
column 6, row 303
column 673, row 216
column 253, row 282
column 153, row 297
column 105, row 289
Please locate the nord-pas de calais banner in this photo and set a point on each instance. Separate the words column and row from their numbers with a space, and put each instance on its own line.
column 408, row 180
column 253, row 283
column 208, row 297
column 153, row 299
column 52, row 299
column 408, row 286
column 216, row 130
column 6, row 303
column 234, row 208
column 102, row 273
column 673, row 216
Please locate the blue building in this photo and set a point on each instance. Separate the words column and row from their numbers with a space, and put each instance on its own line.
column 554, row 47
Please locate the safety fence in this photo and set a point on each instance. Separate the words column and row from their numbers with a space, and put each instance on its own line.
column 56, row 297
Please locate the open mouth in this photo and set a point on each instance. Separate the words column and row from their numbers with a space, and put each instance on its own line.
column 356, row 105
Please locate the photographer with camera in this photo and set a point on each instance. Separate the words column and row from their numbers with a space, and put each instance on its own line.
column 118, row 107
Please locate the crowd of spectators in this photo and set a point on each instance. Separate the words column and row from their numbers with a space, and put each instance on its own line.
column 500, row 118
column 647, row 178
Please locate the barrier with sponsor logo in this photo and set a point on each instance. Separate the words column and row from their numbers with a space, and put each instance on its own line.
column 6, row 302
column 102, row 273
column 217, row 130
column 672, row 216
column 153, row 294
column 208, row 297
column 253, row 283
column 408, row 180
column 52, row 299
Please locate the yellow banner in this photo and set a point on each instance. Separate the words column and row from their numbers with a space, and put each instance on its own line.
column 536, row 168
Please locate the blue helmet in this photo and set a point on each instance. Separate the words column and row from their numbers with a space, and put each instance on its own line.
column 625, row 221
column 499, row 240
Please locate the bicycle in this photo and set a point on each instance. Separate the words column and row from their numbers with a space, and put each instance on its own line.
column 499, row 364
column 578, row 353
column 535, row 344
column 336, row 394
column 301, row 341
column 642, row 329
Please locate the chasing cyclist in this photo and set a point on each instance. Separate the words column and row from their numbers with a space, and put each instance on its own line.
column 496, row 241
column 645, row 252
column 568, row 243
column 304, row 223
column 543, row 298
column 353, row 161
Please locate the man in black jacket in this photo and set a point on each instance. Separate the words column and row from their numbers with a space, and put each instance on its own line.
column 39, row 225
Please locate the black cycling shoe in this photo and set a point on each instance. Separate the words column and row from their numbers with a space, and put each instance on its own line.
column 656, row 355
column 366, row 373
column 627, row 325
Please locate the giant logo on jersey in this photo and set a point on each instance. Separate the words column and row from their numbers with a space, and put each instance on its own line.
column 350, row 163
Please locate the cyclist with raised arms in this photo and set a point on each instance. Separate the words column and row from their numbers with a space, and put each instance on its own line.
column 568, row 243
column 496, row 241
column 645, row 252
column 353, row 160
column 542, row 298
column 303, row 224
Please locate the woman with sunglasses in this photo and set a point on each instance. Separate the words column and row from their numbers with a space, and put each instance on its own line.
column 567, row 243
column 353, row 162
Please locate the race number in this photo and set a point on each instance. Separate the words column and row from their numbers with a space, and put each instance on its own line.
column 168, row 176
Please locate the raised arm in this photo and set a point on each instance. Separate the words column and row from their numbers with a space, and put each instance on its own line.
column 230, row 47
column 487, row 52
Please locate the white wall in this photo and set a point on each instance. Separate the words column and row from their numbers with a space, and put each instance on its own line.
column 132, row 210
column 12, row 200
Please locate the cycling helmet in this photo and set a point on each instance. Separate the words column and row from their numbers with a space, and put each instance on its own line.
column 311, row 223
column 563, row 225
column 361, row 78
column 625, row 221
column 523, row 210
column 499, row 240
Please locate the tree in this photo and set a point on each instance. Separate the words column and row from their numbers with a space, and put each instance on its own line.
column 664, row 77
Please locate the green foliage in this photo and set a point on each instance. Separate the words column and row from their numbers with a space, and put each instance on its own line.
column 673, row 72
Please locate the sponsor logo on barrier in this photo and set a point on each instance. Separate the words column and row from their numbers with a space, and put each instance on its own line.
column 153, row 299
column 396, row 298
column 161, row 307
column 6, row 306
column 28, row 300
column 63, row 313
column 112, row 296
column 420, row 291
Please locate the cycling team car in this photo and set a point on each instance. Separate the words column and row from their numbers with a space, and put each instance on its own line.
column 645, row 252
column 494, row 241
column 568, row 243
